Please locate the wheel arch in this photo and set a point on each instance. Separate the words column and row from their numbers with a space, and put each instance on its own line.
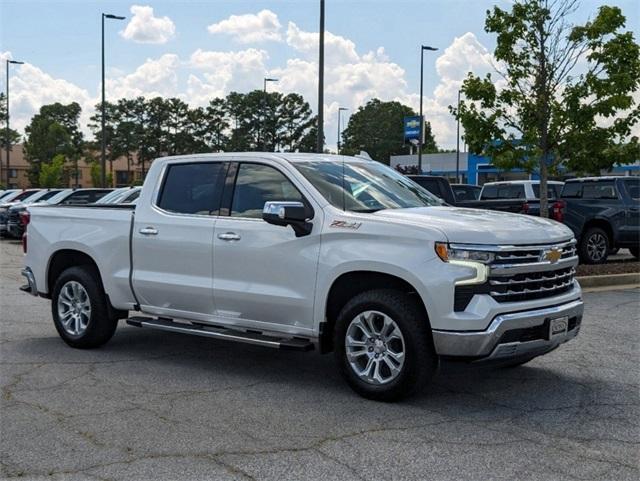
column 349, row 284
column 603, row 224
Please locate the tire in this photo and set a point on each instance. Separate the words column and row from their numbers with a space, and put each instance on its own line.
column 416, row 367
column 594, row 246
column 96, row 326
column 635, row 252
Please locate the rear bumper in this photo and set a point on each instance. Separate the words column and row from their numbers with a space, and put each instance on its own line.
column 30, row 287
column 511, row 335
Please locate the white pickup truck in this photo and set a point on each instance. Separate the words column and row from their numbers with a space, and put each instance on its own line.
column 309, row 251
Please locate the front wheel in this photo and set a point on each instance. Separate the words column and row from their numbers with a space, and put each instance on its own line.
column 383, row 345
column 79, row 308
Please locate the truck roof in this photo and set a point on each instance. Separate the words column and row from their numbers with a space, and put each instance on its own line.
column 292, row 157
column 522, row 182
column 596, row 179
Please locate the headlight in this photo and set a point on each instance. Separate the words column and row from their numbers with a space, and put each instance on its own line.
column 475, row 259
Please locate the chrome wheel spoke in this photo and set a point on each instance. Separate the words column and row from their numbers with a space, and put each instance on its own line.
column 375, row 347
column 74, row 308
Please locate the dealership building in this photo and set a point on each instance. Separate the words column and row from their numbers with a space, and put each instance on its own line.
column 478, row 169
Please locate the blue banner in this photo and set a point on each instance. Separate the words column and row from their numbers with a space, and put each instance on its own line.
column 412, row 128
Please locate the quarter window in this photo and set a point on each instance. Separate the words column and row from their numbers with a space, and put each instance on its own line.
column 193, row 188
column 257, row 184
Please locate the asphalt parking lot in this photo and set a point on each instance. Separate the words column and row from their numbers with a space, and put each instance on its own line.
column 160, row 406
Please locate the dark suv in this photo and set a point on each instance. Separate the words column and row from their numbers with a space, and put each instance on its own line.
column 604, row 214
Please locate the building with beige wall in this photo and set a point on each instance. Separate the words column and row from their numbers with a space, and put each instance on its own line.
column 19, row 168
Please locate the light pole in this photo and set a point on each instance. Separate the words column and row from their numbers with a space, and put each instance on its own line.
column 458, row 142
column 103, row 155
column 420, row 140
column 320, row 140
column 340, row 110
column 7, row 139
column 264, row 116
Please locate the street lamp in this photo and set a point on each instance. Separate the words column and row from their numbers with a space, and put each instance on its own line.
column 421, row 140
column 103, row 156
column 340, row 110
column 7, row 139
column 320, row 139
column 264, row 116
column 458, row 141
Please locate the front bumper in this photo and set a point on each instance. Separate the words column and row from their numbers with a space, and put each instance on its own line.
column 511, row 335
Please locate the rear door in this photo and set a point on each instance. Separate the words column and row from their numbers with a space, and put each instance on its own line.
column 173, row 242
column 264, row 274
column 630, row 233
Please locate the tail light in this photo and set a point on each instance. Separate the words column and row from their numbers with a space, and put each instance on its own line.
column 25, row 218
column 525, row 208
column 557, row 210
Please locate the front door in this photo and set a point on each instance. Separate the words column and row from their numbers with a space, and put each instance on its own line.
column 173, row 242
column 264, row 274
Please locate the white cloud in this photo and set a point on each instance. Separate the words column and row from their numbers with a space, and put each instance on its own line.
column 250, row 28
column 144, row 27
column 338, row 50
column 155, row 77
column 225, row 71
column 31, row 88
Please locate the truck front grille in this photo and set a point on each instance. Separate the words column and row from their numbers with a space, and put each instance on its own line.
column 525, row 273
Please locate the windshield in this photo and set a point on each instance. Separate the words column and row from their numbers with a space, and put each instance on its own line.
column 24, row 195
column 47, row 196
column 368, row 186
column 59, row 196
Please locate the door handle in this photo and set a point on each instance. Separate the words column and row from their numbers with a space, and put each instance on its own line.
column 229, row 236
column 149, row 231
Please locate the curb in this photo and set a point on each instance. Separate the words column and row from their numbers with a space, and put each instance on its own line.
column 609, row 280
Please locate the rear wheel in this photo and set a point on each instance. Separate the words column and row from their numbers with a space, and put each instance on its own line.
column 594, row 246
column 383, row 345
column 79, row 308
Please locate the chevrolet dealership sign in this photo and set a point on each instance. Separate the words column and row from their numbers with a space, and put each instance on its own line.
column 411, row 128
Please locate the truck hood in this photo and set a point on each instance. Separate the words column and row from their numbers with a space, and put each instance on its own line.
column 479, row 226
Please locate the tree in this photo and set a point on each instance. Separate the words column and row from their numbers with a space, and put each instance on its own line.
column 568, row 91
column 14, row 136
column 52, row 174
column 377, row 128
column 53, row 130
column 95, row 170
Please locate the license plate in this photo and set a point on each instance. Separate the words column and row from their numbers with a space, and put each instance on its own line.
column 558, row 326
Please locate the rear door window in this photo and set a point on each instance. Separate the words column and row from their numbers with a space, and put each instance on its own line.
column 633, row 188
column 599, row 190
column 490, row 192
column 193, row 188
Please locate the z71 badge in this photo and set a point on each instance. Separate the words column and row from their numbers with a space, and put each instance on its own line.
column 343, row 224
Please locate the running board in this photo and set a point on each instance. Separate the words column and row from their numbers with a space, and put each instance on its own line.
column 291, row 344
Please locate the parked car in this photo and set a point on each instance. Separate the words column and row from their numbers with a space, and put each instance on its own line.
column 15, row 223
column 123, row 195
column 12, row 225
column 518, row 197
column 13, row 198
column 300, row 251
column 603, row 213
column 464, row 192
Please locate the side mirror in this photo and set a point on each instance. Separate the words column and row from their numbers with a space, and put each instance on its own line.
column 288, row 213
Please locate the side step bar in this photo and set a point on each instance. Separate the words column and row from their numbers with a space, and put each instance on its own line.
column 292, row 344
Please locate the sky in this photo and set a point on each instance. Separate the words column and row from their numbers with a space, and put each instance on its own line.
column 198, row 50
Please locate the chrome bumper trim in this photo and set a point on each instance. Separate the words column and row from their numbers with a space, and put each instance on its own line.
column 484, row 344
column 31, row 286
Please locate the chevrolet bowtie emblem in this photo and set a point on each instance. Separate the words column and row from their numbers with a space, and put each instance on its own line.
column 552, row 255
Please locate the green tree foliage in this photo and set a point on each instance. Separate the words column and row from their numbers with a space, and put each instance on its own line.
column 96, row 174
column 53, row 130
column 377, row 128
column 52, row 174
column 568, row 91
column 13, row 137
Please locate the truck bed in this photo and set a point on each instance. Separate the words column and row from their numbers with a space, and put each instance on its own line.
column 100, row 231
